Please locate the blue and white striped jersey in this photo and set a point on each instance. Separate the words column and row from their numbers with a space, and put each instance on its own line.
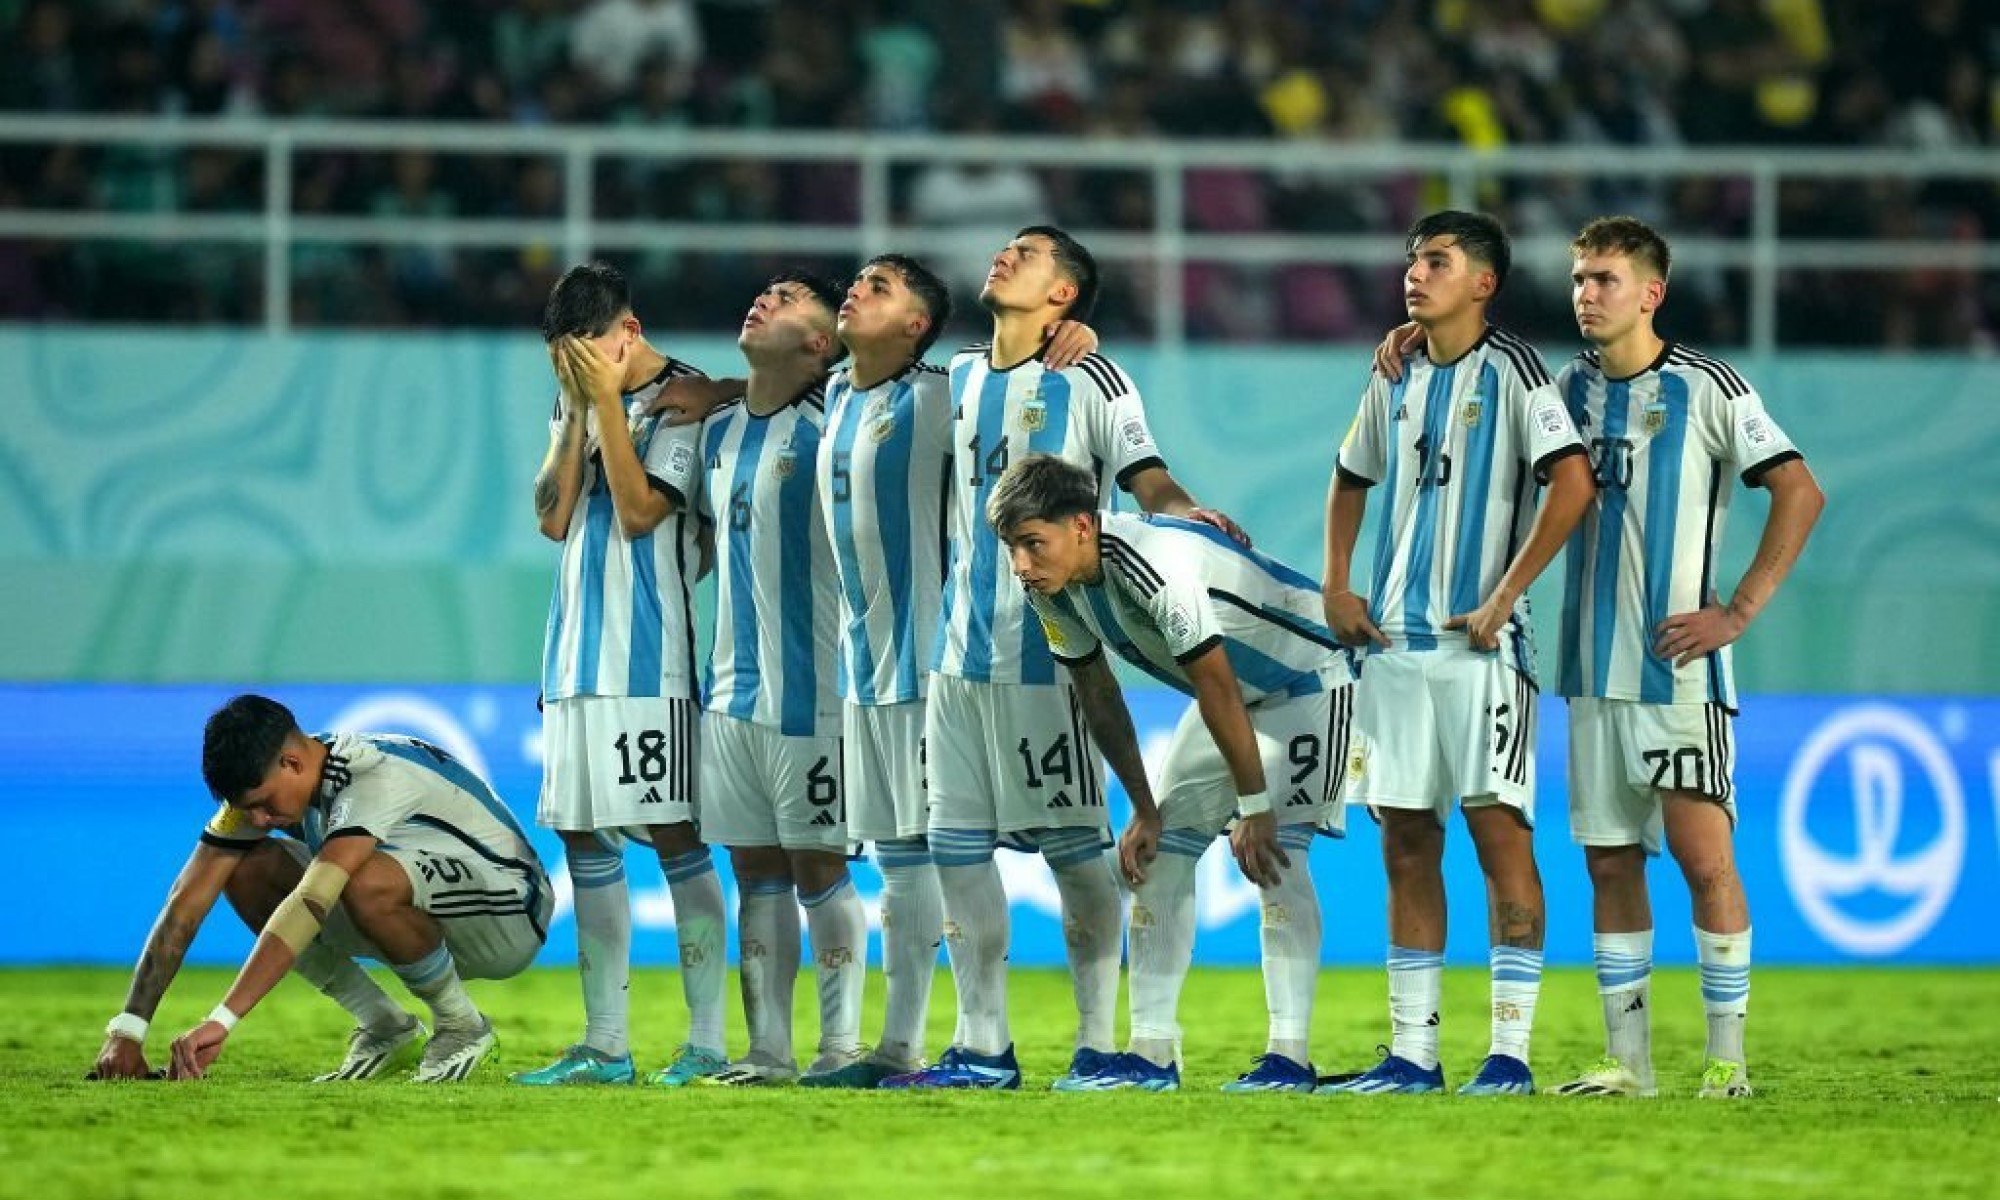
column 1461, row 449
column 415, row 796
column 1663, row 445
column 883, row 468
column 1169, row 590
column 776, row 599
column 1089, row 415
column 621, row 621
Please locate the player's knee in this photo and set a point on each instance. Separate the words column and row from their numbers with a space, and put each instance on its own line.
column 1411, row 843
column 672, row 841
column 759, row 862
column 815, row 872
column 377, row 891
column 1708, row 872
column 1614, row 867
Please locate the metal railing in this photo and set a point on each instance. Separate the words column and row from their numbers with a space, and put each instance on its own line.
column 1166, row 249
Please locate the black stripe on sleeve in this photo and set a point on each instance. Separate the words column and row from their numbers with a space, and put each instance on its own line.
column 1145, row 464
column 1753, row 475
column 1553, row 457
column 1350, row 478
column 1198, row 649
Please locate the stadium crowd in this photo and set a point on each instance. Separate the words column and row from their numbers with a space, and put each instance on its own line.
column 1642, row 73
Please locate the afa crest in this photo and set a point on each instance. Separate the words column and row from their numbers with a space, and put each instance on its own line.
column 786, row 464
column 1469, row 415
column 880, row 418
column 1034, row 412
column 1654, row 419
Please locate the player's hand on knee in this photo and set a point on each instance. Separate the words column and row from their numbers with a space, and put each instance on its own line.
column 121, row 1058
column 1138, row 846
column 1067, row 343
column 196, row 1050
column 1221, row 520
column 1396, row 344
column 1254, row 841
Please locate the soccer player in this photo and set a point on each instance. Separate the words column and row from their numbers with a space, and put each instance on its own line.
column 620, row 716
column 1008, row 755
column 1263, row 745
column 395, row 851
column 1445, row 707
column 771, row 761
column 1645, row 637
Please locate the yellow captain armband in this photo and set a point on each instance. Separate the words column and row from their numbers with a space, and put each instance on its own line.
column 300, row 915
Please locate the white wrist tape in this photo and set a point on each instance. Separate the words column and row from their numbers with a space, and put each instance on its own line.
column 1254, row 805
column 128, row 1026
column 223, row 1017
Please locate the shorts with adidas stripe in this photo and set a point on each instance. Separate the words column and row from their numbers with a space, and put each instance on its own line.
column 1434, row 726
column 1625, row 754
column 1302, row 741
column 611, row 762
column 494, row 919
column 1010, row 757
column 760, row 787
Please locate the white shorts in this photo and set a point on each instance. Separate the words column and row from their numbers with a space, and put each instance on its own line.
column 760, row 787
column 1010, row 757
column 494, row 918
column 1431, row 726
column 883, row 750
column 1623, row 754
column 617, row 761
column 1303, row 742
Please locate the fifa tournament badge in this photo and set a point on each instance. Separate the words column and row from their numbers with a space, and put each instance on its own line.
column 1654, row 418
column 1034, row 412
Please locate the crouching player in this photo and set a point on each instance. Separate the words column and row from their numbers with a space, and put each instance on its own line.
column 1263, row 743
column 396, row 852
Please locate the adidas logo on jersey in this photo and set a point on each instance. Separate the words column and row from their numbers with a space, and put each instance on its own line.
column 1402, row 413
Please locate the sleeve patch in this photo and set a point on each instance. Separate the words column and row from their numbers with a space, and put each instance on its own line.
column 1055, row 635
column 1179, row 625
column 1134, row 435
column 1757, row 431
column 680, row 460
column 1553, row 420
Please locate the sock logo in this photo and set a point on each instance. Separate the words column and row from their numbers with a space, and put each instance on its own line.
column 834, row 957
column 1638, row 1003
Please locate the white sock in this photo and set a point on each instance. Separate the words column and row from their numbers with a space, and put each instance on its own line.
column 1162, row 945
column 1624, row 981
column 912, row 930
column 1725, row 989
column 700, row 925
column 975, row 930
column 1290, row 938
column 603, row 947
column 1517, row 982
column 838, row 927
column 767, row 936
column 434, row 980
column 1092, row 933
column 341, row 980
column 1416, row 983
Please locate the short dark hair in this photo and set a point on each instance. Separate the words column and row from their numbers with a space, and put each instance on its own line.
column 1040, row 487
column 824, row 290
column 241, row 742
column 1075, row 263
column 585, row 302
column 1480, row 236
column 924, row 284
column 1628, row 236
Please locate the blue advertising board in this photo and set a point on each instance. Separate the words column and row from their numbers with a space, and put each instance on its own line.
column 1868, row 829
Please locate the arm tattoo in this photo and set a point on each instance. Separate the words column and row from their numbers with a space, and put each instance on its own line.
column 158, row 965
column 545, row 493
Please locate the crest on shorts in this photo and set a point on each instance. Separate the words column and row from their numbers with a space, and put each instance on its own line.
column 1357, row 761
column 1469, row 415
column 1654, row 419
column 1034, row 412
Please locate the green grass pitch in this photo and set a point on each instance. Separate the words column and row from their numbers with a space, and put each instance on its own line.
column 1873, row 1083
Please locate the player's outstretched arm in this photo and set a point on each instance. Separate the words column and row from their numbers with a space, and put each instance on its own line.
column 1067, row 343
column 193, row 894
column 689, row 400
column 1571, row 490
column 1110, row 722
column 1796, row 503
column 1219, row 699
column 587, row 374
column 292, row 927
column 1157, row 491
column 1397, row 344
column 560, row 481
column 1346, row 611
